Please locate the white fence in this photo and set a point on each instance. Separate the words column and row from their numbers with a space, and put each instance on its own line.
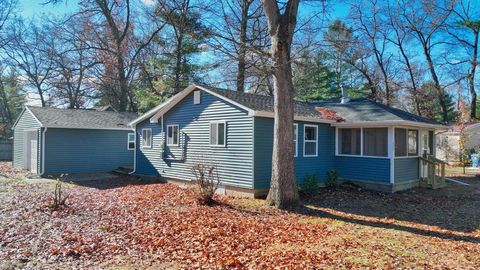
column 6, row 150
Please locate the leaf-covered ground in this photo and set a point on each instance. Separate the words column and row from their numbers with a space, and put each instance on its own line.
column 124, row 224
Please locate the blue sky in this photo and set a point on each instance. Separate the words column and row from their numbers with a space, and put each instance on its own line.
column 34, row 8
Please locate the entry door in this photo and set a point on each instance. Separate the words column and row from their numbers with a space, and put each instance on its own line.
column 33, row 156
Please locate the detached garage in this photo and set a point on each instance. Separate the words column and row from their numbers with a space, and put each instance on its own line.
column 51, row 141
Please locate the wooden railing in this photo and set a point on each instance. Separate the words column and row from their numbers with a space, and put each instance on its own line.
column 432, row 172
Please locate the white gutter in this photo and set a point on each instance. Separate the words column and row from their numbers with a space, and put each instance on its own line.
column 43, row 151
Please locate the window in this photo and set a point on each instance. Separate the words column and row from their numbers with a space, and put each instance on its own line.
column 295, row 139
column 172, row 135
column 146, row 138
column 218, row 133
column 349, row 141
column 412, row 142
column 406, row 142
column 131, row 141
column 196, row 97
column 375, row 142
column 310, row 142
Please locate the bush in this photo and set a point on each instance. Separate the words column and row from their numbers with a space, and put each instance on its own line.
column 207, row 181
column 309, row 185
column 59, row 197
column 332, row 179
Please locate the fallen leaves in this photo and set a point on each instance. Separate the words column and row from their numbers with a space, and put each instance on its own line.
column 162, row 222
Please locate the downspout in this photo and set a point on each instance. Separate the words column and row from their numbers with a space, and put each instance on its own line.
column 43, row 151
column 134, row 150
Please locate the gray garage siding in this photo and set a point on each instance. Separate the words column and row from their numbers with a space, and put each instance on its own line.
column 86, row 150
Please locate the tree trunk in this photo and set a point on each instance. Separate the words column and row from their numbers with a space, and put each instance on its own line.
column 283, row 189
column 471, row 80
column 412, row 77
column 243, row 46
column 123, row 84
column 283, row 186
column 178, row 63
column 438, row 87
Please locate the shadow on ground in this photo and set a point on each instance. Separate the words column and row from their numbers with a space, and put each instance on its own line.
column 455, row 208
column 111, row 181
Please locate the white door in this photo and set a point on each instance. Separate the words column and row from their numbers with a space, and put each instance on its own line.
column 33, row 156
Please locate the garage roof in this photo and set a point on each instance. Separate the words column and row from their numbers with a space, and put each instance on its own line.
column 81, row 118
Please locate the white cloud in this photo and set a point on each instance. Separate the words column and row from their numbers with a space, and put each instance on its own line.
column 149, row 3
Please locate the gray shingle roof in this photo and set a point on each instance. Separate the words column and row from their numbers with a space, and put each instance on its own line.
column 263, row 103
column 359, row 110
column 80, row 118
column 356, row 110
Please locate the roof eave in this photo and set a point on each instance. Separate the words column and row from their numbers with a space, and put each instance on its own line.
column 102, row 128
column 296, row 117
column 389, row 123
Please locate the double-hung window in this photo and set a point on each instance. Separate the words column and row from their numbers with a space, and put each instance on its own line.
column 218, row 133
column 131, row 141
column 295, row 139
column 406, row 142
column 173, row 133
column 310, row 140
column 147, row 138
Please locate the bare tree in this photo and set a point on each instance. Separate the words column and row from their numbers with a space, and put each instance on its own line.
column 425, row 20
column 281, row 24
column 465, row 30
column 368, row 23
column 112, row 36
column 242, row 38
column 72, row 78
column 400, row 37
column 27, row 51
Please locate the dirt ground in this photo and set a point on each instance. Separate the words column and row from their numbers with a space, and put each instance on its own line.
column 128, row 224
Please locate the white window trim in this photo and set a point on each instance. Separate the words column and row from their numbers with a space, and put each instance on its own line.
column 224, row 133
column 295, row 125
column 178, row 136
column 128, row 141
column 305, row 141
column 406, row 143
column 337, row 136
column 143, row 138
column 197, row 97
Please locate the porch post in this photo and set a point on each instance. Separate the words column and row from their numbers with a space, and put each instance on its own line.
column 391, row 152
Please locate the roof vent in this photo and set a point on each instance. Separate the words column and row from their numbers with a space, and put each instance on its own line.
column 345, row 98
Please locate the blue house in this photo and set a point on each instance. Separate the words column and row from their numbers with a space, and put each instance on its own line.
column 371, row 144
column 52, row 141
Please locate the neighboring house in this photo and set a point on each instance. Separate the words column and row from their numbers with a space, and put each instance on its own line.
column 52, row 141
column 369, row 143
column 448, row 142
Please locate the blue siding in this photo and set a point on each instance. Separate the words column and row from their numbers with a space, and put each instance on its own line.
column 26, row 121
column 406, row 169
column 86, row 150
column 303, row 165
column 362, row 168
column 234, row 162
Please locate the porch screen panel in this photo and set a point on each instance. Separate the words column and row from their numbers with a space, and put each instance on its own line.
column 430, row 142
column 349, row 143
column 375, row 142
column 412, row 142
column 400, row 142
